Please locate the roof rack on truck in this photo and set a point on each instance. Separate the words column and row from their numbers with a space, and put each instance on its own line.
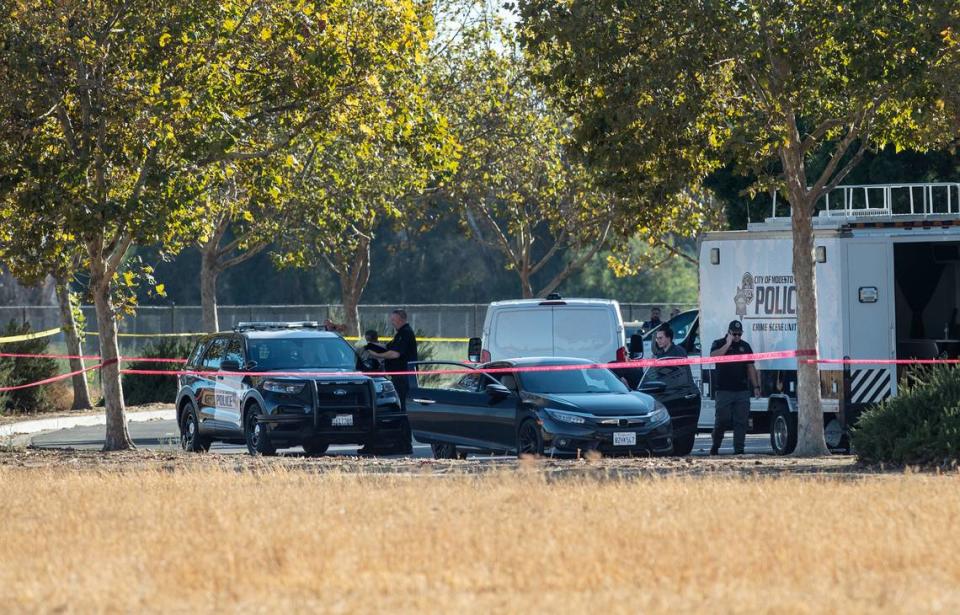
column 902, row 204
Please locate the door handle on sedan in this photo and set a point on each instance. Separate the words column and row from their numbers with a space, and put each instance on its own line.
column 424, row 401
column 691, row 396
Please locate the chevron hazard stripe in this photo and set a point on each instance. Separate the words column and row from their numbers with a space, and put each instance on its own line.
column 869, row 386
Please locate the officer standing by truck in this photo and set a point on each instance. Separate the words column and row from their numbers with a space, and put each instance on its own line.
column 732, row 385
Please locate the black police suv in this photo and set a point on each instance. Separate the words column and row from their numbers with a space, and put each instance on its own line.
column 273, row 406
column 534, row 412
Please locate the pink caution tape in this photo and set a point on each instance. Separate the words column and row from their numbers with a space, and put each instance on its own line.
column 53, row 379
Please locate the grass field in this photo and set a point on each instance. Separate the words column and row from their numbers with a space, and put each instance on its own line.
column 207, row 536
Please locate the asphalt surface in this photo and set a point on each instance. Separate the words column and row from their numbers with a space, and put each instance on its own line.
column 160, row 435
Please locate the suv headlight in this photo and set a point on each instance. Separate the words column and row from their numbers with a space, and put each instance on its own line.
column 659, row 413
column 385, row 388
column 566, row 417
column 279, row 386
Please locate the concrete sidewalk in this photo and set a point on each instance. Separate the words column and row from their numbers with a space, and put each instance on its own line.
column 20, row 434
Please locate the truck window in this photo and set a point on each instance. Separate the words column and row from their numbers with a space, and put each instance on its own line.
column 522, row 333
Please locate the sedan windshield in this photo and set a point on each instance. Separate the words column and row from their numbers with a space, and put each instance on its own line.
column 298, row 353
column 572, row 381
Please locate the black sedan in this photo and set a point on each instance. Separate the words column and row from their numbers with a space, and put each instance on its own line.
column 556, row 412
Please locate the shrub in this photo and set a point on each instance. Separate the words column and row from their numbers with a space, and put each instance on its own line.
column 144, row 389
column 921, row 426
column 21, row 370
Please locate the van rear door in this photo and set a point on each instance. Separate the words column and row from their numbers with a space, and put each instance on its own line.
column 522, row 332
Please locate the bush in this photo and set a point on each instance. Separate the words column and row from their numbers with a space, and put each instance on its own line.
column 22, row 370
column 921, row 426
column 144, row 389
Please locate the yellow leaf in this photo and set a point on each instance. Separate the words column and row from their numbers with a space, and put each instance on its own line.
column 160, row 289
column 164, row 39
column 229, row 25
column 265, row 34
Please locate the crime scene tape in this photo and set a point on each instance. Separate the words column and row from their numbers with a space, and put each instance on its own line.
column 29, row 336
column 760, row 356
column 52, row 379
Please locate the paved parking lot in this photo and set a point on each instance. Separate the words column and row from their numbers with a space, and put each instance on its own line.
column 164, row 435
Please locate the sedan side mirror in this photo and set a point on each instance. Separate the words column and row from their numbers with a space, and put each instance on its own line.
column 653, row 387
column 474, row 347
column 230, row 365
column 497, row 390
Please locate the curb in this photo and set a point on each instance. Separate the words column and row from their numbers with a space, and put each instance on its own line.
column 20, row 435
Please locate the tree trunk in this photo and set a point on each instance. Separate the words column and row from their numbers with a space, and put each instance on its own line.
column 810, row 439
column 354, row 276
column 526, row 288
column 81, row 391
column 350, row 298
column 209, row 271
column 117, row 437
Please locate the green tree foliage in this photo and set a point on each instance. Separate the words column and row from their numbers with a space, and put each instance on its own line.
column 125, row 107
column 665, row 91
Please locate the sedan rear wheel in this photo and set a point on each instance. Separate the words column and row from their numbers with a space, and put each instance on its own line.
column 529, row 439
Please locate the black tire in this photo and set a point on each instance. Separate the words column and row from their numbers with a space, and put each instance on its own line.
column 529, row 439
column 258, row 441
column 683, row 445
column 315, row 447
column 783, row 432
column 190, row 438
column 445, row 450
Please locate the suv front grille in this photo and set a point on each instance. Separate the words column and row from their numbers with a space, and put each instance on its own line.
column 335, row 398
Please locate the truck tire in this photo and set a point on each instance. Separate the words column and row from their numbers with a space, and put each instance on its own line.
column 783, row 431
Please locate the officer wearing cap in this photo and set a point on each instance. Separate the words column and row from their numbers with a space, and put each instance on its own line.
column 733, row 384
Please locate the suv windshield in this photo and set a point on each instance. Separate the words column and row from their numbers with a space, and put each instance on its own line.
column 572, row 381
column 302, row 352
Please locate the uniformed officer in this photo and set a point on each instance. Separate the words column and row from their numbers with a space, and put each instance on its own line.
column 400, row 352
column 733, row 383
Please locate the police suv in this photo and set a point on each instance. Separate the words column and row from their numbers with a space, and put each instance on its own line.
column 273, row 385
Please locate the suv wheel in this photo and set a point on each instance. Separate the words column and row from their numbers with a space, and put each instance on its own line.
column 190, row 438
column 258, row 440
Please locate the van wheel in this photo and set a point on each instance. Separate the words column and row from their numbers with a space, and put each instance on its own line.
column 783, row 432
column 315, row 447
column 529, row 439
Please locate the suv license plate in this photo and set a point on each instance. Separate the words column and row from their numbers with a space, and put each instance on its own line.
column 624, row 438
column 342, row 420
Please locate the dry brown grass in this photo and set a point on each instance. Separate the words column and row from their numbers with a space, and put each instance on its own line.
column 272, row 538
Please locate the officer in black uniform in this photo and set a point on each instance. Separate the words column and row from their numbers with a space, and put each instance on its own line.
column 733, row 383
column 401, row 351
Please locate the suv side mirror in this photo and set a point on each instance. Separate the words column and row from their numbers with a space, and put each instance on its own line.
column 230, row 365
column 636, row 346
column 654, row 387
column 474, row 347
column 497, row 390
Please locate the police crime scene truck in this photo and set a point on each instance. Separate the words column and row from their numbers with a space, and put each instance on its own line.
column 888, row 287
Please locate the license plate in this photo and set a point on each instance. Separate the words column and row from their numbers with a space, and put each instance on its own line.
column 624, row 438
column 342, row 420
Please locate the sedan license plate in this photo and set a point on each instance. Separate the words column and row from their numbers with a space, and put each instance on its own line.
column 624, row 438
column 342, row 420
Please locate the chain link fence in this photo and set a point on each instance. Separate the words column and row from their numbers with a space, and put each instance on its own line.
column 459, row 320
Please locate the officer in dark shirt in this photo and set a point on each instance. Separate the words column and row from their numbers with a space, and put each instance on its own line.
column 401, row 350
column 733, row 383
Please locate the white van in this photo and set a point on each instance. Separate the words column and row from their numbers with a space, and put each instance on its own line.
column 553, row 327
